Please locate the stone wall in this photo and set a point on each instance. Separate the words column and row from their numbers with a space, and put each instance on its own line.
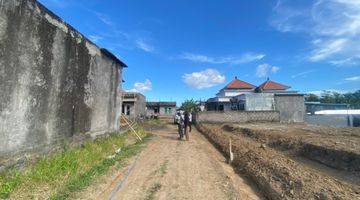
column 55, row 84
column 237, row 116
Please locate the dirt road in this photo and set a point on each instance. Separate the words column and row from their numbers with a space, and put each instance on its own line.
column 171, row 169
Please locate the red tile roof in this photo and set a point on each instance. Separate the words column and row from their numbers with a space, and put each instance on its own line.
column 271, row 85
column 238, row 84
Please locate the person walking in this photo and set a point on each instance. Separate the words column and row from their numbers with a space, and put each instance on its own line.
column 186, row 124
column 190, row 121
column 180, row 122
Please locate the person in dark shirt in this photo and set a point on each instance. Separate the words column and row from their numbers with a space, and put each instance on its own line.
column 187, row 122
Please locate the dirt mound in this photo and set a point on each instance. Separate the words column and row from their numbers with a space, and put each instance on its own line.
column 278, row 176
column 333, row 148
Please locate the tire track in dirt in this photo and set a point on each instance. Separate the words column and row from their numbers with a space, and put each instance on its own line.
column 171, row 169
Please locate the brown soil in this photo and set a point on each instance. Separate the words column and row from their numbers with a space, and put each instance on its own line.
column 172, row 169
column 293, row 161
column 338, row 148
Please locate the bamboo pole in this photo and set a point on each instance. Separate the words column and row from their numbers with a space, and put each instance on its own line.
column 132, row 129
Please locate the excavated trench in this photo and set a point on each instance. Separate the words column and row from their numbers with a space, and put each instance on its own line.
column 274, row 163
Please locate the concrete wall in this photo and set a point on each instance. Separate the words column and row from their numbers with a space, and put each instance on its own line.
column 140, row 106
column 329, row 120
column 259, row 101
column 150, row 111
column 137, row 106
column 312, row 107
column 291, row 107
column 172, row 113
column 54, row 82
column 237, row 116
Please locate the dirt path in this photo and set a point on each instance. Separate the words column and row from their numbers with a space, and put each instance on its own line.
column 172, row 169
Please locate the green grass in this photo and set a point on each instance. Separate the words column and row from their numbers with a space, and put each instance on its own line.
column 69, row 171
column 156, row 122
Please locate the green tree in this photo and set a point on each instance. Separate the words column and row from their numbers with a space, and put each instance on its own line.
column 190, row 106
column 351, row 98
column 312, row 98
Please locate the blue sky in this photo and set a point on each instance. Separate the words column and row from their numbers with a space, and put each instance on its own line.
column 184, row 49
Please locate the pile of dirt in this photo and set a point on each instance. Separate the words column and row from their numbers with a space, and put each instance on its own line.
column 336, row 148
column 276, row 173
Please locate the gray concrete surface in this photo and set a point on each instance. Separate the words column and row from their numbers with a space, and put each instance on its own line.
column 134, row 105
column 329, row 120
column 291, row 107
column 54, row 82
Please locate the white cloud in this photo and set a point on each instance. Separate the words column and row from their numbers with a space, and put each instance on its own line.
column 275, row 69
column 104, row 18
column 354, row 78
column 113, row 38
column 328, row 48
column 143, row 45
column 197, row 58
column 204, row 79
column 95, row 38
column 245, row 58
column 347, row 61
column 263, row 70
column 302, row 74
column 288, row 19
column 333, row 25
column 142, row 87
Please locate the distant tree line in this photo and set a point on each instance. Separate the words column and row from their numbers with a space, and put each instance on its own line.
column 351, row 98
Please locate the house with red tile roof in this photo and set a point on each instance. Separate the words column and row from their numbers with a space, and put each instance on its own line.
column 239, row 95
column 237, row 89
column 222, row 99
column 272, row 87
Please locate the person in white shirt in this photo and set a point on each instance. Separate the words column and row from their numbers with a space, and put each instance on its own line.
column 180, row 122
column 190, row 121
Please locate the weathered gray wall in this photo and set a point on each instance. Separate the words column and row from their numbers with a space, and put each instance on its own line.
column 137, row 106
column 140, row 106
column 237, row 116
column 291, row 107
column 171, row 114
column 259, row 101
column 54, row 83
column 329, row 120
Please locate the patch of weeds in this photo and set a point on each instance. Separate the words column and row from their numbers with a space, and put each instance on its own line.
column 9, row 180
column 70, row 170
column 150, row 193
column 156, row 122
column 163, row 167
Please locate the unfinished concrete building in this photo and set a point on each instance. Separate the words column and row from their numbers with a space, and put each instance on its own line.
column 161, row 109
column 133, row 105
column 55, row 83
